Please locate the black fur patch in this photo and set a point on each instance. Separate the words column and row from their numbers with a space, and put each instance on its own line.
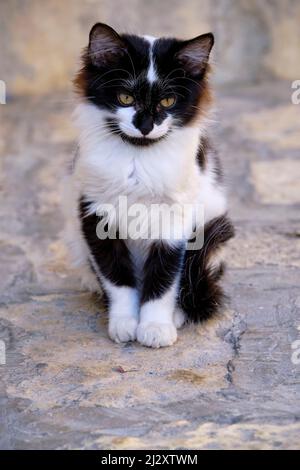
column 201, row 295
column 160, row 269
column 202, row 158
column 201, row 153
column 112, row 256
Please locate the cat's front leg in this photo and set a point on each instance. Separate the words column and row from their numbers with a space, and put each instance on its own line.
column 123, row 312
column 161, row 275
column 111, row 262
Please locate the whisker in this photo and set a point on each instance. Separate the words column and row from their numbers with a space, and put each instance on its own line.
column 106, row 73
column 103, row 85
column 173, row 71
column 134, row 73
column 190, row 79
column 184, row 87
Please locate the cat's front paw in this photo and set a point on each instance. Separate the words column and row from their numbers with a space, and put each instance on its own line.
column 122, row 330
column 156, row 335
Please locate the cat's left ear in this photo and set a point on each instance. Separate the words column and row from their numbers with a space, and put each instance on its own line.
column 194, row 54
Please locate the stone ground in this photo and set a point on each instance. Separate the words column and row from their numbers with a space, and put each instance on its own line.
column 229, row 384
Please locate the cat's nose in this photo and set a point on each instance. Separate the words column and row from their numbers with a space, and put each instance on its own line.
column 146, row 125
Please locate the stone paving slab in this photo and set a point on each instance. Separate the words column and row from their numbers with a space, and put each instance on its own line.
column 228, row 384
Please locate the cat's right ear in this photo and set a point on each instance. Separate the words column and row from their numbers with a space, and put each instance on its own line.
column 194, row 54
column 105, row 45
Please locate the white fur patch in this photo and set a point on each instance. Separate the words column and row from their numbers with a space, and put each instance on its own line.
column 156, row 335
column 125, row 117
column 179, row 317
column 123, row 312
column 125, row 120
column 156, row 328
column 161, row 129
column 151, row 72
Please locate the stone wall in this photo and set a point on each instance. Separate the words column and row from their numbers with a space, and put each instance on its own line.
column 41, row 40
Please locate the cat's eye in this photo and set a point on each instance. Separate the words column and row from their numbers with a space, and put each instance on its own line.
column 125, row 99
column 168, row 102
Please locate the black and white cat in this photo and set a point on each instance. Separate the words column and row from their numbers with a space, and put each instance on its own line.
column 142, row 115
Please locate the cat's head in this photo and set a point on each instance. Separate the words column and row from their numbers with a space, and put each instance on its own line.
column 145, row 87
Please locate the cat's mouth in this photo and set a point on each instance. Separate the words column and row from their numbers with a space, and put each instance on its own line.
column 134, row 140
column 143, row 141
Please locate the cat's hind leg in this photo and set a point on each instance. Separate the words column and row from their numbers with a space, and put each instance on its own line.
column 179, row 317
column 201, row 295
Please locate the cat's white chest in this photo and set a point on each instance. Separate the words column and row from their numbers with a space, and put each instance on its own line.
column 133, row 178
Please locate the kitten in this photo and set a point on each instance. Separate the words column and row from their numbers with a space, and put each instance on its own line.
column 142, row 117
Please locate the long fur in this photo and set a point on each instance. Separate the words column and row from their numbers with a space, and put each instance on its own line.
column 174, row 164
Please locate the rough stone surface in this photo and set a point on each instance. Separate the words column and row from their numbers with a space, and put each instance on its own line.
column 228, row 384
column 40, row 41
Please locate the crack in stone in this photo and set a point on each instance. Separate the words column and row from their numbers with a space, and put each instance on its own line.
column 233, row 337
column 230, row 370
